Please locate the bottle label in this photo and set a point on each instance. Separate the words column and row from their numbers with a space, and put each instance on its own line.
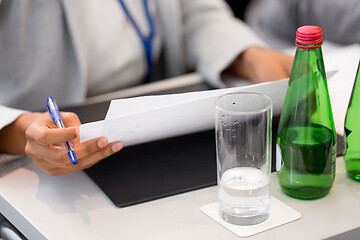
column 279, row 159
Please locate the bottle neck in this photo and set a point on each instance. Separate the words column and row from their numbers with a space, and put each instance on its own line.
column 308, row 62
column 308, row 47
column 313, row 53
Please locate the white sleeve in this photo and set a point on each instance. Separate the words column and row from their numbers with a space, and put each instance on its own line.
column 214, row 37
column 8, row 115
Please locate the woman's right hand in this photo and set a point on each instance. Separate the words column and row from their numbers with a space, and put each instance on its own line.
column 36, row 135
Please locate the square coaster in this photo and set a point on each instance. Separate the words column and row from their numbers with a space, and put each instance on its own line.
column 280, row 214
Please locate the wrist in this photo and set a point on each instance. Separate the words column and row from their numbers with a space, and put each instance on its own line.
column 24, row 120
column 243, row 65
column 13, row 137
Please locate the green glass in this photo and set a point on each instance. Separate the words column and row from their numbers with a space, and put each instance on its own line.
column 352, row 132
column 306, row 136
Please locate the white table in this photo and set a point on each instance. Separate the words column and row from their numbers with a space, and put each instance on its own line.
column 73, row 207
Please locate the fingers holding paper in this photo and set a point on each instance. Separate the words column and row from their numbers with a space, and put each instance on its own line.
column 45, row 144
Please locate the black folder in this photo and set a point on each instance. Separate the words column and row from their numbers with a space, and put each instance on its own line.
column 157, row 169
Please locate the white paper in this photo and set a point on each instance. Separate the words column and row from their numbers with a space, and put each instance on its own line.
column 142, row 119
column 280, row 214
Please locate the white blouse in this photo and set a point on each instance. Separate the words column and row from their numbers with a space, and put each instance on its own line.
column 117, row 57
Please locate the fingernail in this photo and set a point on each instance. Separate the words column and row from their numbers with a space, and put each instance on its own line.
column 103, row 142
column 116, row 146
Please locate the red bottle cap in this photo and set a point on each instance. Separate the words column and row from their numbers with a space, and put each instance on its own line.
column 309, row 35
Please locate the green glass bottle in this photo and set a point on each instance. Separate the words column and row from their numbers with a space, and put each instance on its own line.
column 306, row 140
column 352, row 131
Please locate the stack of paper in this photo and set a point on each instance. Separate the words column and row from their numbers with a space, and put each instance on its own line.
column 142, row 119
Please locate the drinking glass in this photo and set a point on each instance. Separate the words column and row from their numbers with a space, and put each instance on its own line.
column 243, row 147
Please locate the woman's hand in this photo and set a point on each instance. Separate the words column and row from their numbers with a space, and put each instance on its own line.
column 262, row 65
column 36, row 135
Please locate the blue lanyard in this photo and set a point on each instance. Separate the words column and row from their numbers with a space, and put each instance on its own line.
column 146, row 41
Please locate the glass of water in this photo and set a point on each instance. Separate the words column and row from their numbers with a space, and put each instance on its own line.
column 243, row 146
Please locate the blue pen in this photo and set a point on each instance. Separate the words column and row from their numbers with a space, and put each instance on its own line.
column 55, row 115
